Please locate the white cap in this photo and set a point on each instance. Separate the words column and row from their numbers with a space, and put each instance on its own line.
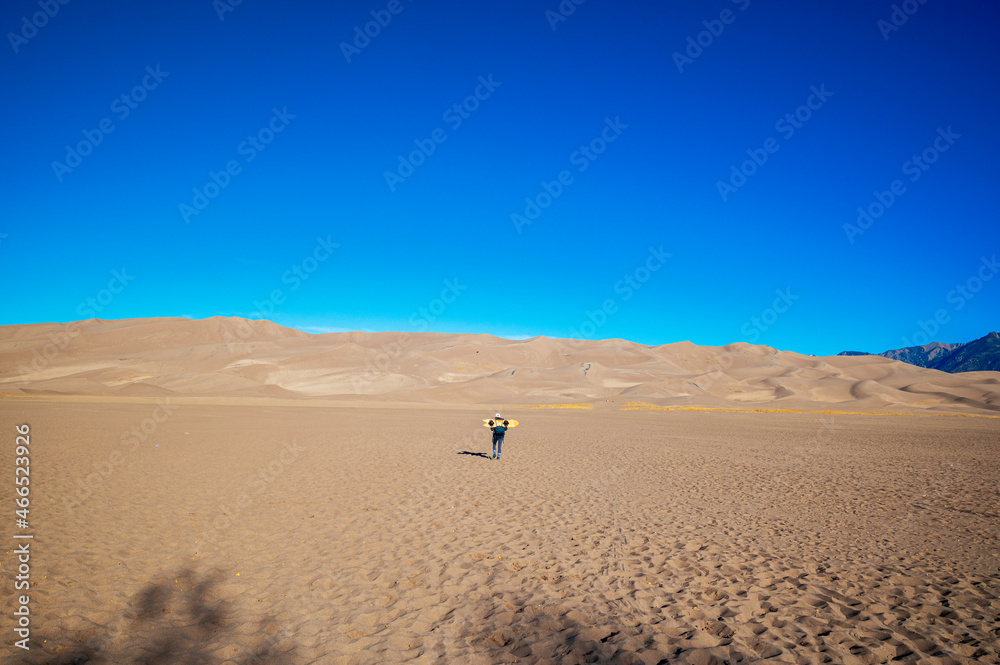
column 497, row 416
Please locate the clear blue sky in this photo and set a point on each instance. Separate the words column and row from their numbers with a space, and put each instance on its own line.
column 661, row 133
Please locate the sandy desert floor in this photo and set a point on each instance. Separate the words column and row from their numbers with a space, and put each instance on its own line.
column 261, row 533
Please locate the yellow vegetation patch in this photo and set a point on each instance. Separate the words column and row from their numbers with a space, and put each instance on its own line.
column 580, row 405
column 646, row 406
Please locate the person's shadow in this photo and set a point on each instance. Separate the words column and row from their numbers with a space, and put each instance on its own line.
column 469, row 452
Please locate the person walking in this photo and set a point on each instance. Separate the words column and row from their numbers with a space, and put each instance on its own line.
column 499, row 428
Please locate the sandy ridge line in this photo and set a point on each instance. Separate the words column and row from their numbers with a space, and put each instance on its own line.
column 203, row 400
column 436, row 406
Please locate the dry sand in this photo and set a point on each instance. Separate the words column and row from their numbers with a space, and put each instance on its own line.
column 253, row 532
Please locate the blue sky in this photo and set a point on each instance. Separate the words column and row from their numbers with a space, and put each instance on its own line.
column 264, row 160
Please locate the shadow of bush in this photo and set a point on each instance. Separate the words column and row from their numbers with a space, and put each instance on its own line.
column 178, row 620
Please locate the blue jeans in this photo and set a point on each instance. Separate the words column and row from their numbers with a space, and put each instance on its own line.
column 497, row 444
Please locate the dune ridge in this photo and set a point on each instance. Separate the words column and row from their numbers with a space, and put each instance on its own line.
column 232, row 357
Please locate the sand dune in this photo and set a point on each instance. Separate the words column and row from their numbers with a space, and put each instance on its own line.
column 242, row 358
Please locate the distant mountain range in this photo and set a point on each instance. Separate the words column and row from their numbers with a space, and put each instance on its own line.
column 981, row 354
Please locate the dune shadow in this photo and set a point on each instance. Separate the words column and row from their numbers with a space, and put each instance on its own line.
column 180, row 619
column 472, row 454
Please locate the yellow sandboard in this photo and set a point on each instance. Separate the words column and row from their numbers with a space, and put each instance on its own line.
column 491, row 422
